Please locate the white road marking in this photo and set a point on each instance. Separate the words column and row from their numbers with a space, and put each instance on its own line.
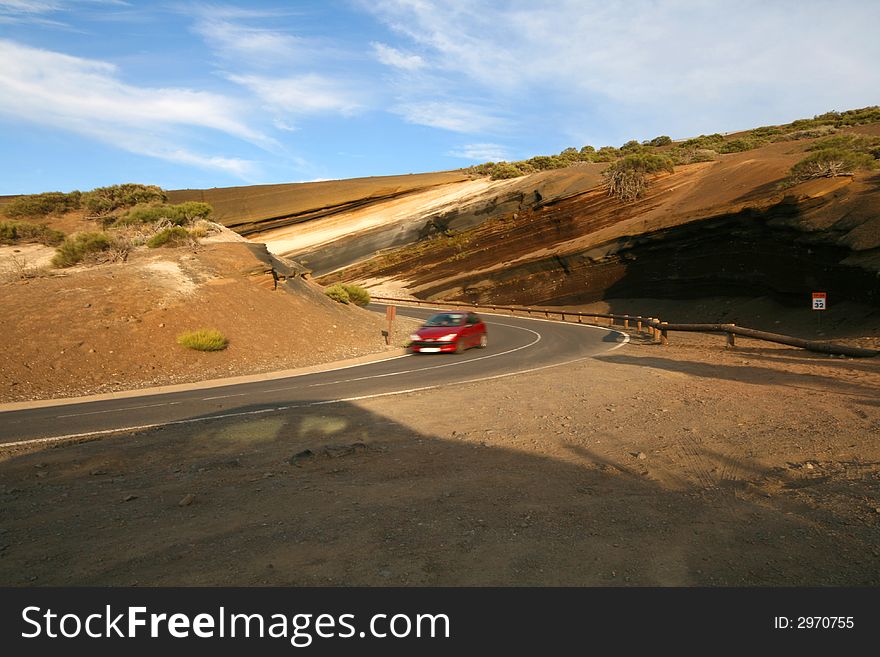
column 117, row 410
column 436, row 367
column 106, row 432
column 238, row 394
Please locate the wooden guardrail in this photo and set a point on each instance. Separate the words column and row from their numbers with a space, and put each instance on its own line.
column 659, row 330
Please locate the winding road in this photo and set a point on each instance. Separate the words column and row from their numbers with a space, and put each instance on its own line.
column 516, row 345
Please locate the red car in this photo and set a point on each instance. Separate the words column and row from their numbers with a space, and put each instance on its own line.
column 450, row 331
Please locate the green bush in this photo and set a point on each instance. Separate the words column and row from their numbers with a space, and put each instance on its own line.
column 855, row 143
column 712, row 141
column 569, row 155
column 662, row 140
column 740, row 144
column 177, row 215
column 174, row 236
column 691, row 155
column 42, row 205
column 830, row 162
column 505, row 170
column 24, row 231
column 357, row 295
column 104, row 200
column 203, row 340
column 338, row 293
column 606, row 154
column 79, row 246
column 628, row 177
column 546, row 162
column 812, row 133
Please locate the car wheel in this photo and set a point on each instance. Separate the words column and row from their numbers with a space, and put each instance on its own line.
column 459, row 346
column 484, row 341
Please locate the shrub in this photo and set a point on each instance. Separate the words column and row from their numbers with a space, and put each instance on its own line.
column 828, row 163
column 605, row 154
column 569, row 155
column 632, row 146
column 338, row 293
column 42, row 205
column 712, row 141
column 104, row 200
column 545, row 162
column 662, row 140
column 203, row 340
column 854, row 143
column 739, row 145
column 820, row 131
column 505, row 170
column 173, row 236
column 628, row 177
column 357, row 295
column 691, row 155
column 202, row 228
column 176, row 215
column 80, row 246
column 24, row 231
column 765, row 131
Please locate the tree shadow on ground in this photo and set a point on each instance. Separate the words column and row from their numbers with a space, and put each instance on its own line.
column 339, row 495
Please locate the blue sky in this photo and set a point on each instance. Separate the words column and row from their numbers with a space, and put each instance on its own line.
column 212, row 94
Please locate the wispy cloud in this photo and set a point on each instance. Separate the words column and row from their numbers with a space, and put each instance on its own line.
column 254, row 46
column 299, row 95
column 658, row 61
column 86, row 97
column 395, row 58
column 480, row 152
column 457, row 117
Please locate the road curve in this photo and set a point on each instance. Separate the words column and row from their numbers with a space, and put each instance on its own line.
column 516, row 345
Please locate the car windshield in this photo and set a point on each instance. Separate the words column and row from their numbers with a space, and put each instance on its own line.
column 446, row 319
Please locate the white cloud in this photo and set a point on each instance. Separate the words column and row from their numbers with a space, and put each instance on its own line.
column 447, row 115
column 254, row 46
column 28, row 6
column 302, row 94
column 396, row 58
column 680, row 61
column 84, row 96
column 481, row 152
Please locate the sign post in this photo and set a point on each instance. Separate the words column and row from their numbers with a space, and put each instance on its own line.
column 820, row 302
column 390, row 314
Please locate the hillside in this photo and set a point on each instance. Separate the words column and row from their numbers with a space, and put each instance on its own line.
column 112, row 326
column 724, row 228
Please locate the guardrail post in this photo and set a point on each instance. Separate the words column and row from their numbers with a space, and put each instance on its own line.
column 664, row 338
column 731, row 339
column 639, row 325
column 626, row 322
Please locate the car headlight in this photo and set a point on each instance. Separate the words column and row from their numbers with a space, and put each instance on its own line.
column 448, row 337
column 414, row 338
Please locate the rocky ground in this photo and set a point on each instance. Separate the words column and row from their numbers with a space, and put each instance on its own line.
column 685, row 465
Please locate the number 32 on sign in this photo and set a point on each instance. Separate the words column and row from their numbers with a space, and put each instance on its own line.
column 820, row 300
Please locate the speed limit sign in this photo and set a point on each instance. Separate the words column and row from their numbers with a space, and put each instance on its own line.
column 820, row 300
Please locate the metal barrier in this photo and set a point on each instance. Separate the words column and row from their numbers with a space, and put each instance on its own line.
column 658, row 330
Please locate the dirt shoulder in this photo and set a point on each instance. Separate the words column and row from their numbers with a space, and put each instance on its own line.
column 111, row 327
column 679, row 466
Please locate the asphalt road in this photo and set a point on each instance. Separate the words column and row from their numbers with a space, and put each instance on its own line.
column 516, row 344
